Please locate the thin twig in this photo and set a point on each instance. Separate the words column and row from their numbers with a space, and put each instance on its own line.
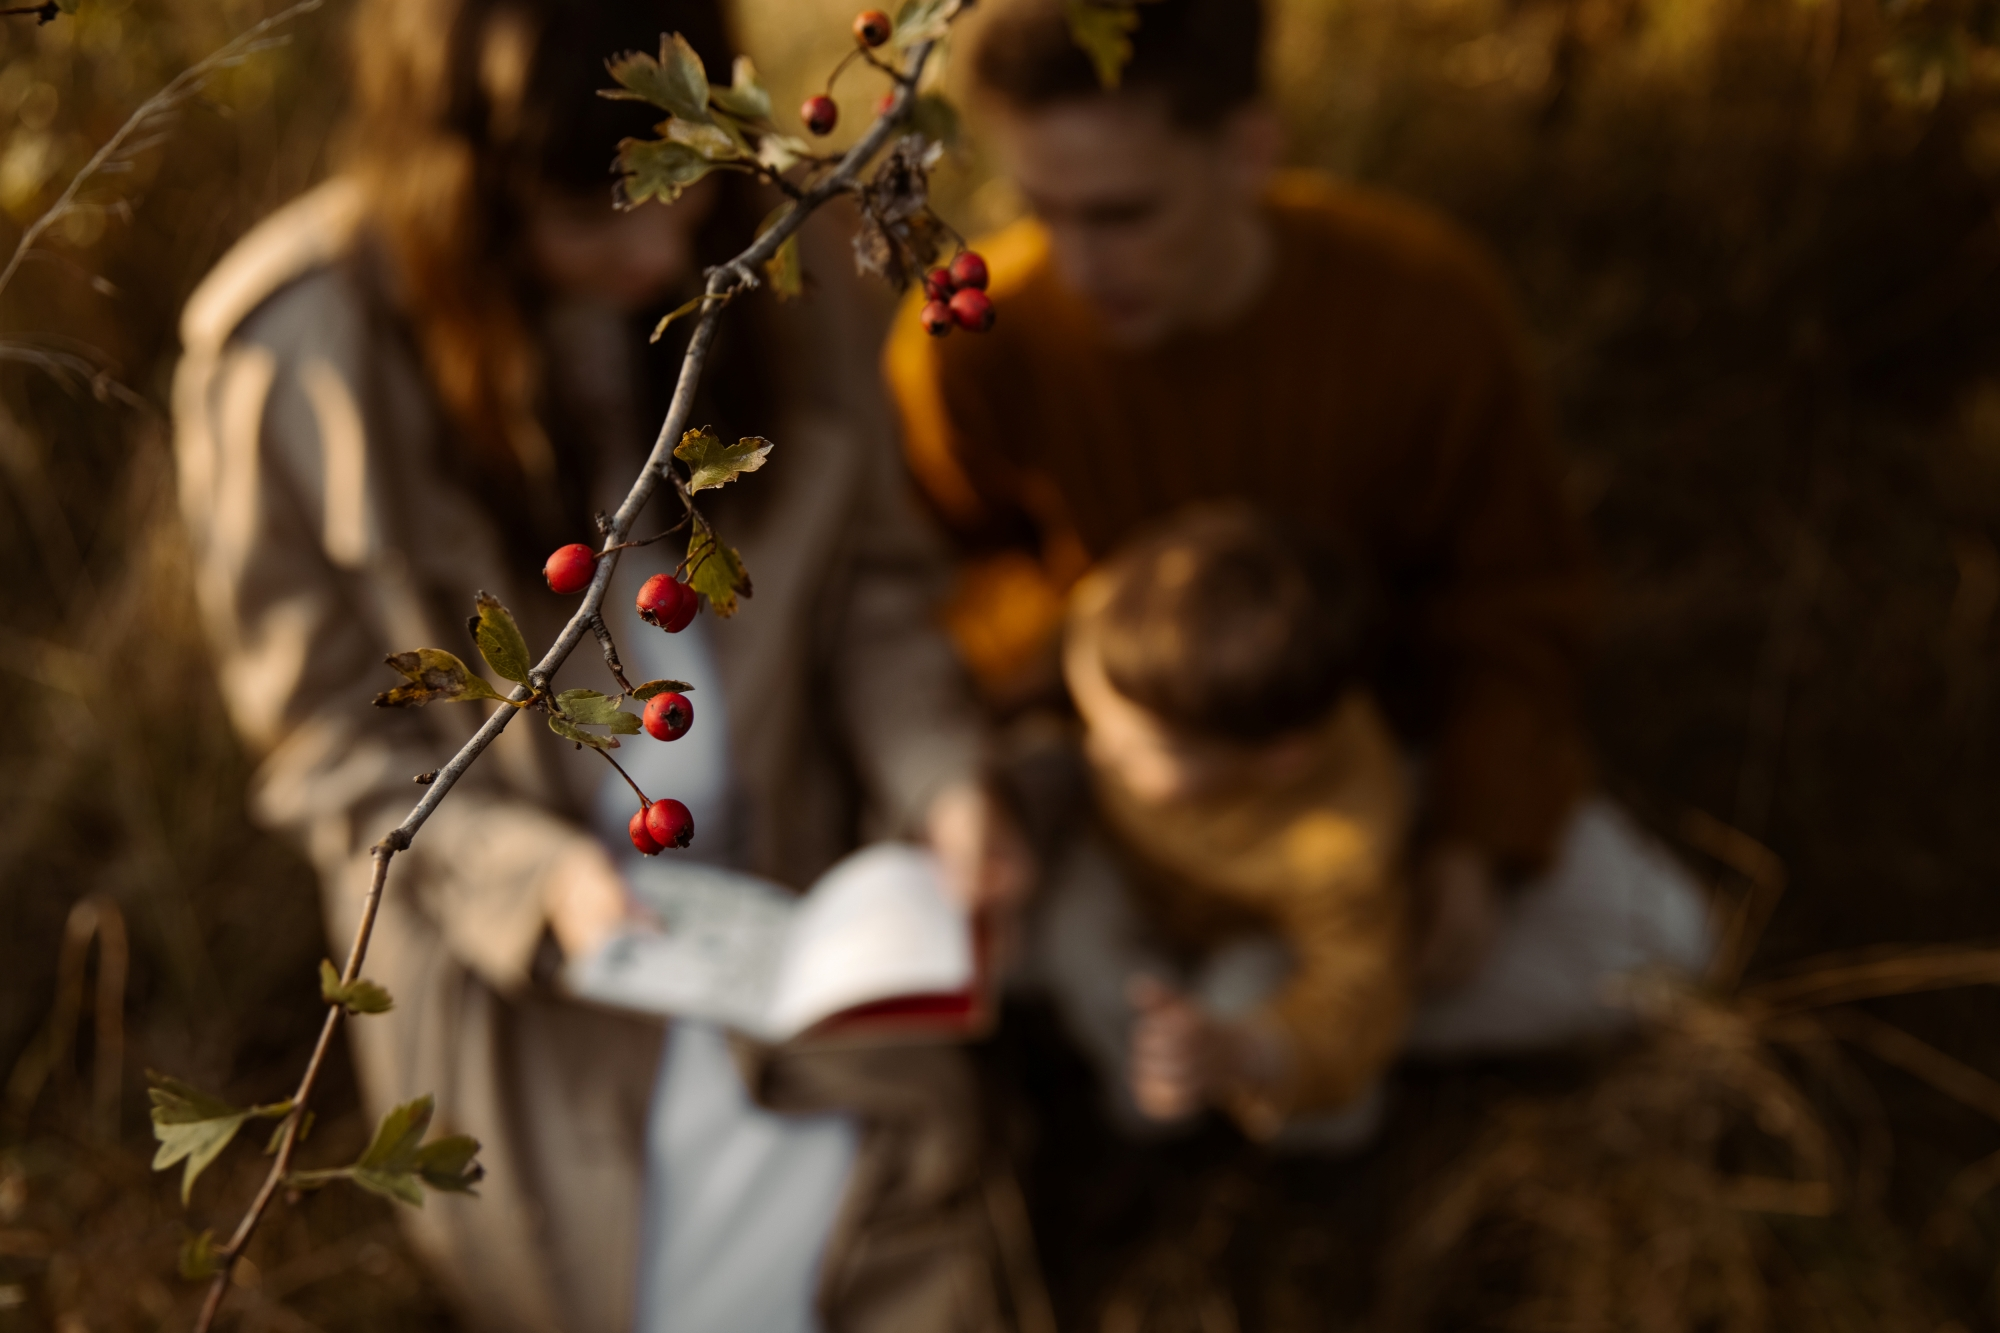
column 603, row 634
column 724, row 280
column 46, row 13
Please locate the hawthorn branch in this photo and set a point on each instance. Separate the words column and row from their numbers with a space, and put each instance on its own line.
column 723, row 281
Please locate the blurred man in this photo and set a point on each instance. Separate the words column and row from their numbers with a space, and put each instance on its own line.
column 1179, row 321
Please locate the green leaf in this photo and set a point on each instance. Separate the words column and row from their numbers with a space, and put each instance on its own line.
column 653, row 687
column 785, row 271
column 780, row 152
column 746, row 97
column 933, row 116
column 569, row 731
column 711, row 463
column 687, row 307
column 195, row 1127
column 435, row 676
column 921, row 20
column 398, row 1164
column 712, row 141
column 359, row 996
column 447, row 1164
column 658, row 169
column 588, row 708
column 1104, row 31
column 715, row 570
column 198, row 1259
column 499, row 638
column 675, row 83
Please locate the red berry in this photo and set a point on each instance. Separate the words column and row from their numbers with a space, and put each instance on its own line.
column 668, row 716
column 665, row 602
column 871, row 27
column 938, row 284
column 570, row 568
column 969, row 270
column 642, row 837
column 937, row 319
column 972, row 310
column 670, row 823
column 819, row 113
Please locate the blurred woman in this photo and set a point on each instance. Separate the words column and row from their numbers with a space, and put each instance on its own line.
column 415, row 382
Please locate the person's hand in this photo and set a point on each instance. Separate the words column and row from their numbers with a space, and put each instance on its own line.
column 585, row 899
column 987, row 865
column 1182, row 1058
column 1460, row 915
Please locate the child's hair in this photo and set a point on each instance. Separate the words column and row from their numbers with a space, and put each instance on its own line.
column 1201, row 55
column 1227, row 622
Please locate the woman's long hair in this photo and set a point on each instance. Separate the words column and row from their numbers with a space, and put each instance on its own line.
column 465, row 110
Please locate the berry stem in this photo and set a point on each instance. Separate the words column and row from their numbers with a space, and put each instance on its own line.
column 644, row 800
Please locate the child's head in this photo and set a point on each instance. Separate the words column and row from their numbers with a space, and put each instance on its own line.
column 1205, row 653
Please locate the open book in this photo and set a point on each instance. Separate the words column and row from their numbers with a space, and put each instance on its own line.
column 874, row 949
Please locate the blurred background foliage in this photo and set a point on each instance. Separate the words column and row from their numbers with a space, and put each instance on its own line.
column 1758, row 247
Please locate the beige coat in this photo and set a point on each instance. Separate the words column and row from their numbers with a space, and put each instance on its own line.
column 329, row 534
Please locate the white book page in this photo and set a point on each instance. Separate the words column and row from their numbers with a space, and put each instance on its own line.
column 716, row 953
column 877, row 926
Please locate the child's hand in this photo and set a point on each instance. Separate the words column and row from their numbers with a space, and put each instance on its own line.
column 1183, row 1058
column 1461, row 916
column 987, row 864
column 1167, row 1055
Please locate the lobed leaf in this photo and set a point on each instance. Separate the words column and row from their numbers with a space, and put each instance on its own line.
column 569, row 731
column 435, row 676
column 780, row 152
column 715, row 570
column 499, row 639
column 658, row 169
column 746, row 97
column 933, row 116
column 1103, row 29
column 687, row 307
column 359, row 996
column 588, row 708
column 714, row 142
column 785, row 271
column 711, row 463
column 194, row 1127
column 398, row 1163
column 675, row 82
column 198, row 1260
column 191, row 1126
column 653, row 687
column 447, row 1164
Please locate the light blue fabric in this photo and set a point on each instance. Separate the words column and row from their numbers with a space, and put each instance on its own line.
column 739, row 1201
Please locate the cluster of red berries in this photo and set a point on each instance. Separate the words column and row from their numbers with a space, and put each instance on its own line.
column 958, row 297
column 872, row 28
column 662, row 824
column 667, row 602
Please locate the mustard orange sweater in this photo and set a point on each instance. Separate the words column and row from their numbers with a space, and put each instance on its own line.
column 1376, row 388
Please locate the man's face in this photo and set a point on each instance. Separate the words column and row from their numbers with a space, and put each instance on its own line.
column 1151, row 224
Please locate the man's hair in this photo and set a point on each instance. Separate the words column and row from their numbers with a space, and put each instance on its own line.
column 1200, row 55
column 1226, row 622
